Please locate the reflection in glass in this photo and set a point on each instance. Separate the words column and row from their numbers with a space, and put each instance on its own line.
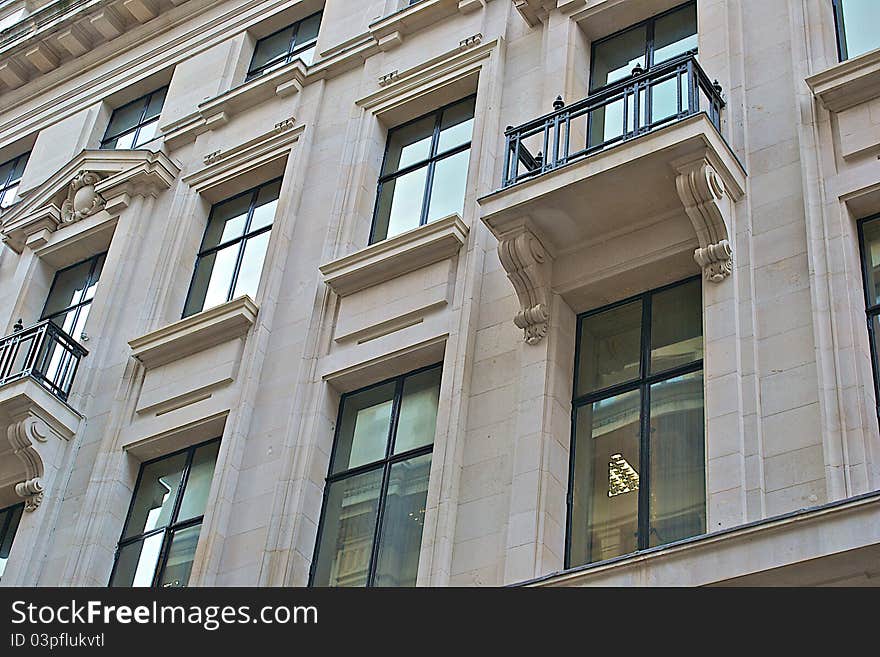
column 678, row 487
column 136, row 563
column 402, row 522
column 675, row 33
column 155, row 497
column 364, row 428
column 181, row 554
column 251, row 265
column 198, row 482
column 9, row 519
column 409, row 145
column 135, row 123
column 10, row 175
column 858, row 20
column 609, row 348
column 400, row 204
column 615, row 58
column 871, row 258
column 346, row 545
column 605, row 502
column 295, row 41
column 676, row 326
column 448, row 186
column 418, row 411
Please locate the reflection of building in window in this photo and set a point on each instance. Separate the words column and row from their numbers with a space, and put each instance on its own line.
column 9, row 519
column 622, row 477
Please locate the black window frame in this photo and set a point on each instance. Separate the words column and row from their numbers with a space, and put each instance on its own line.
column 145, row 99
column 10, row 182
column 649, row 44
column 242, row 240
column 82, row 302
column 292, row 52
column 871, row 310
column 384, row 464
column 173, row 526
column 431, row 162
column 643, row 384
column 840, row 30
column 7, row 522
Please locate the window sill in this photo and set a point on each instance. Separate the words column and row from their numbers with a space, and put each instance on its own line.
column 396, row 256
column 848, row 83
column 195, row 333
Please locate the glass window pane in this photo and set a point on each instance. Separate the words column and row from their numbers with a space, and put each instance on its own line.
column 615, row 59
column 9, row 518
column 228, row 221
column 457, row 125
column 875, row 321
column 212, row 280
column 124, row 141
column 871, row 250
column 349, row 524
column 267, row 201
column 146, row 133
column 271, row 47
column 95, row 277
column 364, row 427
column 5, row 171
column 675, row 33
column 400, row 204
column 198, row 483
column 180, row 558
column 860, row 21
column 307, row 55
column 402, row 521
column 418, row 411
column 607, row 121
column 609, row 348
column 676, row 326
column 678, row 482
column 154, row 106
column 155, row 495
column 409, row 144
column 137, row 562
column 308, row 29
column 67, row 288
column 248, row 280
column 126, row 117
column 605, row 491
column 7, row 198
column 448, row 186
column 20, row 164
column 664, row 100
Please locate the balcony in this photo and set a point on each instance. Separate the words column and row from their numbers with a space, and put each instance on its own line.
column 37, row 368
column 639, row 167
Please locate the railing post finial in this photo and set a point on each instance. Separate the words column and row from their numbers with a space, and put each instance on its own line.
column 18, row 326
column 638, row 70
column 558, row 104
column 716, row 86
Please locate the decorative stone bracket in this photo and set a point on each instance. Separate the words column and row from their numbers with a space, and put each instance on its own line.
column 24, row 437
column 527, row 264
column 707, row 205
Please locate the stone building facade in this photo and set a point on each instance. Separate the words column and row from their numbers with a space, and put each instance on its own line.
column 442, row 292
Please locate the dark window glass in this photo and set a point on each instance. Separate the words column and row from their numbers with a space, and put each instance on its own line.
column 646, row 44
column 295, row 41
column 424, row 171
column 136, row 123
column 857, row 26
column 374, row 501
column 10, row 176
column 71, row 294
column 638, row 473
column 9, row 519
column 233, row 249
column 869, row 230
column 161, row 532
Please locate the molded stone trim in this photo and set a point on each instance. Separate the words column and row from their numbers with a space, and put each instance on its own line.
column 195, row 333
column 848, row 83
column 389, row 32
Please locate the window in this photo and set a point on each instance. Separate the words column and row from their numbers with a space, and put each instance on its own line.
column 10, row 176
column 374, row 500
column 869, row 233
column 161, row 533
column 233, row 249
column 425, row 170
column 646, row 44
column 9, row 519
column 71, row 294
column 295, row 41
column 637, row 454
column 136, row 123
column 856, row 22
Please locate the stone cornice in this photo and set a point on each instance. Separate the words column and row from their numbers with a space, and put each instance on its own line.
column 396, row 256
column 848, row 83
column 195, row 333
column 93, row 181
column 390, row 30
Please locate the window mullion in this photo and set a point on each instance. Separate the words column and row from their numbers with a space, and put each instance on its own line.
column 429, row 179
column 645, row 428
column 243, row 244
column 162, row 561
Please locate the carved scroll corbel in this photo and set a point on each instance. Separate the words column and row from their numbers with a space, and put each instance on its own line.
column 526, row 262
column 705, row 202
column 23, row 437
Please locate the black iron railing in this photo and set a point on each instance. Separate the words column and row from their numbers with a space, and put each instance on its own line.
column 45, row 353
column 628, row 109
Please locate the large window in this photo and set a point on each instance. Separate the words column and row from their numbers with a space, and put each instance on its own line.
column 10, row 176
column 637, row 454
column 70, row 297
column 161, row 533
column 295, row 41
column 869, row 232
column 425, row 170
column 135, row 124
column 233, row 249
column 646, row 44
column 858, row 26
column 374, row 500
column 9, row 519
